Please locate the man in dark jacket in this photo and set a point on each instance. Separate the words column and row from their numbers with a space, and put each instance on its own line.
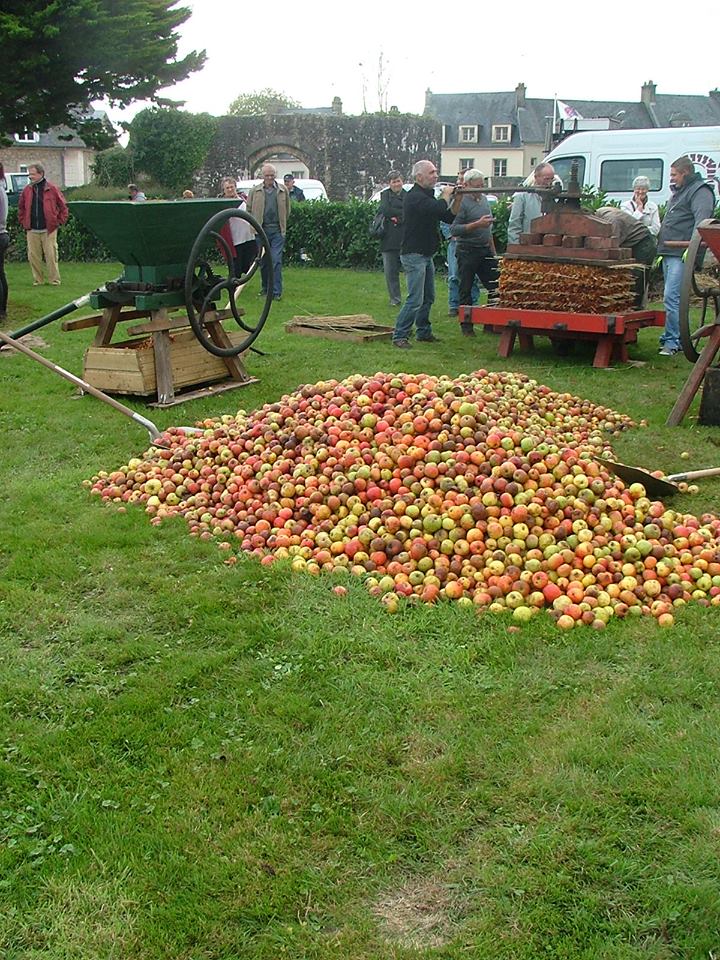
column 392, row 203
column 41, row 210
column 294, row 192
column 420, row 243
column 692, row 201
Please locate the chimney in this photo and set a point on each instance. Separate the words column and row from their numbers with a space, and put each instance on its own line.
column 647, row 95
column 337, row 106
column 715, row 94
column 520, row 95
column 428, row 97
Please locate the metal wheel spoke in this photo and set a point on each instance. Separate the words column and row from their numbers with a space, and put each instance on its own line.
column 203, row 287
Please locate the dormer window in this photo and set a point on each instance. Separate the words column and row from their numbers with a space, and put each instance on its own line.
column 501, row 133
column 27, row 136
column 468, row 133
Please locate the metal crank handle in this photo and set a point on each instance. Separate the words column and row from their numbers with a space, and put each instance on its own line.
column 56, row 314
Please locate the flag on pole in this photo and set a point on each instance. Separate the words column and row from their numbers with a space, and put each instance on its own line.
column 567, row 112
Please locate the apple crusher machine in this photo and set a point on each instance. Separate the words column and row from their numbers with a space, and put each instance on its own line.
column 172, row 252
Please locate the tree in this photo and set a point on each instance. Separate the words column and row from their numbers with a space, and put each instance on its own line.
column 260, row 102
column 60, row 55
column 170, row 145
column 113, row 167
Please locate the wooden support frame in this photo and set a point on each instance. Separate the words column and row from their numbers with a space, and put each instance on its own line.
column 697, row 375
column 611, row 333
column 159, row 325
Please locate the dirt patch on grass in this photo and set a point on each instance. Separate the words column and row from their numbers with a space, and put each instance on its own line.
column 30, row 340
column 419, row 915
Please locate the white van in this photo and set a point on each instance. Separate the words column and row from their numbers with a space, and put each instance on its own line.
column 609, row 160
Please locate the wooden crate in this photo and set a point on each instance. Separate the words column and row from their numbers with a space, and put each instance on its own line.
column 357, row 328
column 129, row 366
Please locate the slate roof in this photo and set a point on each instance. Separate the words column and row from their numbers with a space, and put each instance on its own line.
column 529, row 122
column 59, row 137
column 702, row 111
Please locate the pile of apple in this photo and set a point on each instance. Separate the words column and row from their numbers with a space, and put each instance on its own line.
column 481, row 489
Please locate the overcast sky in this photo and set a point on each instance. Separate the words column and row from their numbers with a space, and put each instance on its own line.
column 586, row 52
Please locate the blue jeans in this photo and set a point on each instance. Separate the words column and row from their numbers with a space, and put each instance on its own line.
column 391, row 266
column 454, row 279
column 420, row 275
column 673, row 269
column 277, row 244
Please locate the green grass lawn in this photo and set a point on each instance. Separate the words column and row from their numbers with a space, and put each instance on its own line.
column 205, row 762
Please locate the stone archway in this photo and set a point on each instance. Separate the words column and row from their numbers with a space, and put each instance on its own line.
column 259, row 153
column 347, row 153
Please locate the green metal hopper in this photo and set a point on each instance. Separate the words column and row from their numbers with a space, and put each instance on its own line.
column 153, row 241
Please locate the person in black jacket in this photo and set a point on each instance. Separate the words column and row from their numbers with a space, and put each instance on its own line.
column 392, row 201
column 420, row 243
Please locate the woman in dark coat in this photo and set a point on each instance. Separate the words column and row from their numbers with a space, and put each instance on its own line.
column 391, row 206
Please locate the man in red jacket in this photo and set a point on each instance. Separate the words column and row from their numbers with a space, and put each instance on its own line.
column 41, row 210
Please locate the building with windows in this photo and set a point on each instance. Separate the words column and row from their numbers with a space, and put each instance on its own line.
column 66, row 157
column 506, row 134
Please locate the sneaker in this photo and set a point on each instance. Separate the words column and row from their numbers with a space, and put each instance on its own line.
column 263, row 293
column 277, row 296
column 395, row 303
column 55, row 283
column 452, row 313
column 668, row 351
column 468, row 331
column 402, row 344
column 37, row 283
column 431, row 339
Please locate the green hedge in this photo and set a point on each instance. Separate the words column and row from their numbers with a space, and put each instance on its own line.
column 75, row 242
column 336, row 234
column 331, row 235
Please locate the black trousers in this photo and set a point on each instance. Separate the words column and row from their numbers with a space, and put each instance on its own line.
column 245, row 254
column 476, row 262
column 4, row 243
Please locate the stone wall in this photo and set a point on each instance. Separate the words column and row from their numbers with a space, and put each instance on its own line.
column 349, row 154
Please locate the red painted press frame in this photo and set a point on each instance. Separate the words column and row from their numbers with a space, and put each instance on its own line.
column 612, row 331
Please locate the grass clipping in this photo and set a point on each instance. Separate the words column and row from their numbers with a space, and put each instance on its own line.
column 481, row 489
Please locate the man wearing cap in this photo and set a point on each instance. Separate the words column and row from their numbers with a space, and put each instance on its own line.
column 269, row 203
column 295, row 193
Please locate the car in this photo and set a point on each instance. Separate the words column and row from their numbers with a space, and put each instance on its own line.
column 15, row 184
column 313, row 189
